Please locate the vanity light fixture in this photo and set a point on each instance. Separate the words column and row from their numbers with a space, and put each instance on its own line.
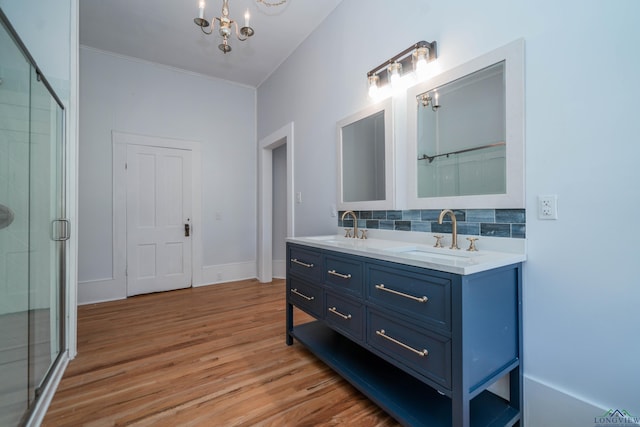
column 419, row 54
column 225, row 25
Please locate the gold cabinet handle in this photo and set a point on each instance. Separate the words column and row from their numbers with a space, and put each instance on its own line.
column 304, row 264
column 402, row 294
column 342, row 276
column 421, row 353
column 337, row 313
column 295, row 291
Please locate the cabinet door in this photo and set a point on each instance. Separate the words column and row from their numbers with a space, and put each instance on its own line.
column 420, row 296
column 345, row 315
column 422, row 351
column 305, row 295
column 344, row 273
column 305, row 263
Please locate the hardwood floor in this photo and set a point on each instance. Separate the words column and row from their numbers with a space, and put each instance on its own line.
column 209, row 356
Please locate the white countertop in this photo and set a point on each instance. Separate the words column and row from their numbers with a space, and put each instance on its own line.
column 459, row 261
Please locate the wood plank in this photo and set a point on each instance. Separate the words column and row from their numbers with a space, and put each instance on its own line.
column 213, row 356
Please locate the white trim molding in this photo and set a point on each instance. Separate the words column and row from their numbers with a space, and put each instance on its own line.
column 284, row 135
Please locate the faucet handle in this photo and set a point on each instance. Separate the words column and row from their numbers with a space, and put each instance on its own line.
column 472, row 244
column 347, row 232
column 438, row 238
column 363, row 233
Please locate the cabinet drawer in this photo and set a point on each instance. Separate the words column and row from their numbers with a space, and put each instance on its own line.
column 426, row 353
column 306, row 263
column 345, row 315
column 420, row 296
column 344, row 274
column 305, row 295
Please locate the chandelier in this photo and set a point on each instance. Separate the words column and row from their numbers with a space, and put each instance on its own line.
column 226, row 25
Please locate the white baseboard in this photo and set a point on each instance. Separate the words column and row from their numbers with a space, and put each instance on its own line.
column 279, row 269
column 94, row 291
column 545, row 405
column 212, row 274
column 103, row 290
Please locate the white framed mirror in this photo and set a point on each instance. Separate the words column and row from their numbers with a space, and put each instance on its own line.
column 466, row 135
column 365, row 159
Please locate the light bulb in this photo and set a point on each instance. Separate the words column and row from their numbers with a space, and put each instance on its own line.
column 373, row 86
column 420, row 63
column 421, row 69
column 201, row 9
column 394, row 71
column 246, row 18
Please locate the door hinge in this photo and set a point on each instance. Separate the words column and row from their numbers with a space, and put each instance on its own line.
column 126, row 165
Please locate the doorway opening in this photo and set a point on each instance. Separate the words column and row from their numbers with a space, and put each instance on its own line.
column 281, row 137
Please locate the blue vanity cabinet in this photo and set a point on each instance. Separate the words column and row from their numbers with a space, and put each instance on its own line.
column 423, row 344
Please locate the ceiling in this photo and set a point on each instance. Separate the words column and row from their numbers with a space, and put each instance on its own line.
column 163, row 31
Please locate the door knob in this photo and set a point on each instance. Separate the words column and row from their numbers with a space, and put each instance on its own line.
column 186, row 230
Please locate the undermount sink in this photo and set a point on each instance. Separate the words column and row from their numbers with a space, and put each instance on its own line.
column 326, row 239
column 437, row 253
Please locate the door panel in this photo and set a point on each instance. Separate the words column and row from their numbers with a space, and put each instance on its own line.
column 158, row 207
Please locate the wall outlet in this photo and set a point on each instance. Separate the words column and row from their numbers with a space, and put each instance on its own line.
column 298, row 197
column 548, row 207
column 333, row 211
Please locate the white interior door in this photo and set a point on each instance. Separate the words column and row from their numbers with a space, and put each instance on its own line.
column 158, row 219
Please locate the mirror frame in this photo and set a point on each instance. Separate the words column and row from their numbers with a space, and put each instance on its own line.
column 514, row 198
column 389, row 162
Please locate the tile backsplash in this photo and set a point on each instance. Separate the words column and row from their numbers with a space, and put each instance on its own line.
column 480, row 222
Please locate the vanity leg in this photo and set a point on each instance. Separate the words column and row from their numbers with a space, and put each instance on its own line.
column 289, row 323
column 515, row 392
column 461, row 416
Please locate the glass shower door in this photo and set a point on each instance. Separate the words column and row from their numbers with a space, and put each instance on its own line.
column 32, row 234
column 46, row 233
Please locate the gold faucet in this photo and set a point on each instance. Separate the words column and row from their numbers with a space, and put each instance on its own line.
column 355, row 223
column 454, row 227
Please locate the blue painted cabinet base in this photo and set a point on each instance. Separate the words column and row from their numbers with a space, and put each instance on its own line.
column 484, row 332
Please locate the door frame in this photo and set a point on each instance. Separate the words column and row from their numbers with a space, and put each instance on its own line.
column 120, row 141
column 282, row 136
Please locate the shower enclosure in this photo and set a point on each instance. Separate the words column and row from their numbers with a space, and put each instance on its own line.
column 33, row 231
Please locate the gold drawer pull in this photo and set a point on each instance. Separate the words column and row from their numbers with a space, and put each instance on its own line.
column 342, row 276
column 304, row 264
column 420, row 353
column 402, row 294
column 295, row 291
column 336, row 312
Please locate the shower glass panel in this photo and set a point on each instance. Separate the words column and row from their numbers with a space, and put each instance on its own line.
column 32, row 232
column 45, row 207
